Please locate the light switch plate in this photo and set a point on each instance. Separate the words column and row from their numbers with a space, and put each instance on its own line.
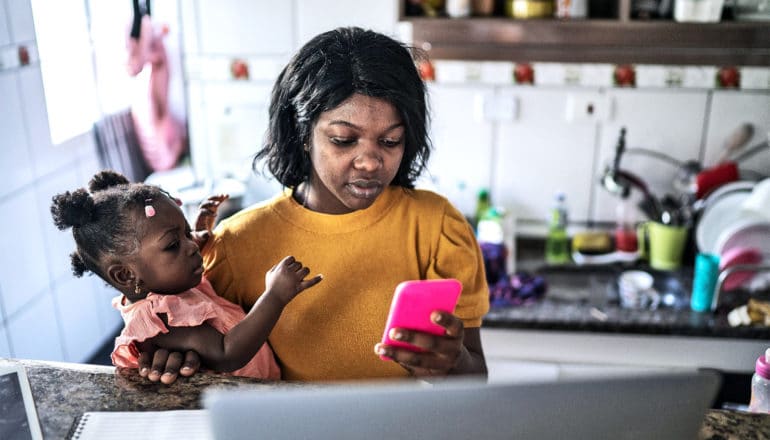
column 588, row 107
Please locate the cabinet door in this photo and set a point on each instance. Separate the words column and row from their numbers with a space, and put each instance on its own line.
column 667, row 121
column 542, row 152
column 459, row 166
column 729, row 110
column 236, row 27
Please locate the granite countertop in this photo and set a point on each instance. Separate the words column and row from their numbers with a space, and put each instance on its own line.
column 585, row 298
column 63, row 391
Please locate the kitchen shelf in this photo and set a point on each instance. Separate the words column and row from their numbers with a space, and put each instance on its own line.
column 593, row 41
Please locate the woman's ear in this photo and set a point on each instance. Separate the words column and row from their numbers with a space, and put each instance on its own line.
column 122, row 276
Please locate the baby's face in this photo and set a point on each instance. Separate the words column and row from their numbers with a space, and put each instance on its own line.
column 169, row 261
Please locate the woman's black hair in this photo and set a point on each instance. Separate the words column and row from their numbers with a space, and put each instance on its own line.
column 325, row 72
column 101, row 218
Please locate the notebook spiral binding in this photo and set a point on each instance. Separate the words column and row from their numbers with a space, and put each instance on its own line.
column 77, row 427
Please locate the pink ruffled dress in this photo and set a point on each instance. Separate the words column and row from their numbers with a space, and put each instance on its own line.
column 188, row 309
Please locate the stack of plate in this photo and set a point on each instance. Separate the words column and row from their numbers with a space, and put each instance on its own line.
column 731, row 220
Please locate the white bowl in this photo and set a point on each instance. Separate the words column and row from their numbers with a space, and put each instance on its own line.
column 717, row 217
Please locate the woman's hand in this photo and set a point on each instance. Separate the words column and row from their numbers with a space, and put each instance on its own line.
column 151, row 363
column 458, row 351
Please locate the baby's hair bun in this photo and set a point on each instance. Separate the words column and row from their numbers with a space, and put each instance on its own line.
column 78, row 265
column 106, row 179
column 72, row 209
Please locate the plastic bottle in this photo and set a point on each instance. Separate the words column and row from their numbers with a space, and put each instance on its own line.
column 482, row 206
column 557, row 241
column 760, row 385
column 625, row 231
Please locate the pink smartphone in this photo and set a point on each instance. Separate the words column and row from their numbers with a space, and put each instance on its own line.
column 414, row 301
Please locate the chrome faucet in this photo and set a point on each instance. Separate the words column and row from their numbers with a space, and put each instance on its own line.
column 730, row 270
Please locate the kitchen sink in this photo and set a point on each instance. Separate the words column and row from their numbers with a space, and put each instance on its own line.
column 597, row 285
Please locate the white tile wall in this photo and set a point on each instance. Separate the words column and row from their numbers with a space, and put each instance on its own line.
column 242, row 28
column 20, row 17
column 34, row 268
column 541, row 153
column 5, row 349
column 313, row 17
column 34, row 333
column 5, row 33
column 23, row 266
column 15, row 164
column 78, row 311
column 730, row 109
column 459, row 165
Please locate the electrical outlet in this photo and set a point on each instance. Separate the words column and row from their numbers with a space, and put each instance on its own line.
column 588, row 107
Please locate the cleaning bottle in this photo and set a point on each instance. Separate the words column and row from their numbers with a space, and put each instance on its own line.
column 760, row 385
column 557, row 241
column 482, row 206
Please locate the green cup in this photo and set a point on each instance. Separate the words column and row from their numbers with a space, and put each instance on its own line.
column 665, row 243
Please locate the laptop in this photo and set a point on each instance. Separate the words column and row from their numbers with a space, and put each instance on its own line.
column 648, row 406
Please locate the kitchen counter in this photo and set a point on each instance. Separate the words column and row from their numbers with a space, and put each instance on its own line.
column 63, row 391
column 585, row 299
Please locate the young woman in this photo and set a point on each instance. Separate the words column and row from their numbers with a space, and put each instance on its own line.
column 347, row 138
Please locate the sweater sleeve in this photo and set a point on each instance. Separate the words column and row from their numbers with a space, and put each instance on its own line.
column 458, row 255
column 218, row 268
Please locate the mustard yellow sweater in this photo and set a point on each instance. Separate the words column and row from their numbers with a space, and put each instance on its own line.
column 328, row 332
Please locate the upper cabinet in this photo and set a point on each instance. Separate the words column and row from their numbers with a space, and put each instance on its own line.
column 617, row 38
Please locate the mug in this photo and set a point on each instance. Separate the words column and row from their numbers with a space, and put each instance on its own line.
column 635, row 289
column 663, row 245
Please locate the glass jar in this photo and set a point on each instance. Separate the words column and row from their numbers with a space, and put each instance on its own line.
column 529, row 8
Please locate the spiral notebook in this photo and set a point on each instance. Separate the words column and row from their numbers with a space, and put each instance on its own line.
column 157, row 425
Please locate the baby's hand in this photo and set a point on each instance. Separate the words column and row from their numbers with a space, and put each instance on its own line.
column 287, row 278
column 207, row 215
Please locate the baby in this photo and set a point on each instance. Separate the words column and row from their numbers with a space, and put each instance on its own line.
column 135, row 237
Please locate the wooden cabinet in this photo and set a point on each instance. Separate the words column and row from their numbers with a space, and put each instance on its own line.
column 620, row 39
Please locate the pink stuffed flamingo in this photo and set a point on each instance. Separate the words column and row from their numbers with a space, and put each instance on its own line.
column 161, row 135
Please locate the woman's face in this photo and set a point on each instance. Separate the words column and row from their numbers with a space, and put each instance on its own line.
column 356, row 150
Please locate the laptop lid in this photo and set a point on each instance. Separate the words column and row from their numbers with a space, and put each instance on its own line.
column 650, row 406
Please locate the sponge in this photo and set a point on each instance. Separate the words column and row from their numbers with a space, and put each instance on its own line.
column 592, row 243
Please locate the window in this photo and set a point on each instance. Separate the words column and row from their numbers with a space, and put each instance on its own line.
column 67, row 68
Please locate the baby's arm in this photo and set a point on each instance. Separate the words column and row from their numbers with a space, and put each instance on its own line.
column 207, row 215
column 235, row 349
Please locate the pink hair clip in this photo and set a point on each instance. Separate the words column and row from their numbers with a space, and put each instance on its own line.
column 177, row 201
column 149, row 211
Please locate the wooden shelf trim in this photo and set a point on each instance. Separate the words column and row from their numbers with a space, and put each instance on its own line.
column 613, row 41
